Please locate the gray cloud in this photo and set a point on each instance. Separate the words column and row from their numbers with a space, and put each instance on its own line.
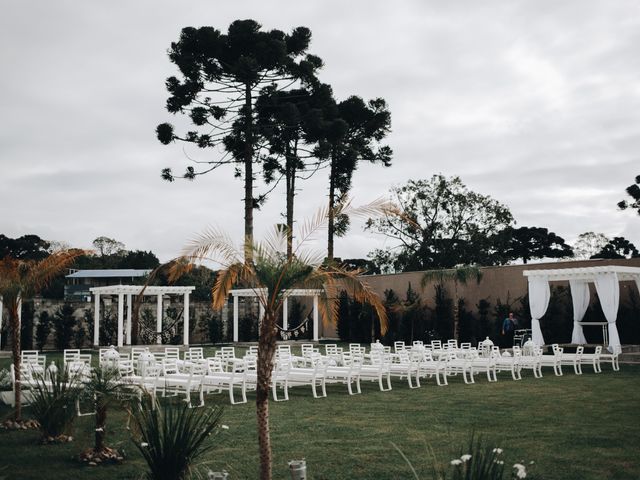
column 536, row 104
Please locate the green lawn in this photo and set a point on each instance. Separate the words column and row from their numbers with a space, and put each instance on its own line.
column 573, row 427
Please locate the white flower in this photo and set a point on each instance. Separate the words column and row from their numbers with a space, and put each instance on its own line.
column 456, row 461
column 500, row 462
column 521, row 470
column 99, row 430
column 497, row 451
column 531, row 462
column 224, row 427
column 466, row 457
column 144, row 444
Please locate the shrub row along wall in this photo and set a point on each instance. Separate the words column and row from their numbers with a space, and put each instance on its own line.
column 416, row 312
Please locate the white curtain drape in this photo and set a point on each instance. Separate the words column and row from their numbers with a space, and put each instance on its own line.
column 538, row 302
column 580, row 300
column 608, row 290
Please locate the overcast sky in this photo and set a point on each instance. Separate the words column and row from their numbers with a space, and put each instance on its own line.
column 534, row 103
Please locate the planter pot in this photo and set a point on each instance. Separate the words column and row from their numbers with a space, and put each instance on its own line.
column 8, row 398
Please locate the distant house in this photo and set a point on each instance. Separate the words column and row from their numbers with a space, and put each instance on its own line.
column 79, row 282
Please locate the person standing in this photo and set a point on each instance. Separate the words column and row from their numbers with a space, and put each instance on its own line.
column 508, row 329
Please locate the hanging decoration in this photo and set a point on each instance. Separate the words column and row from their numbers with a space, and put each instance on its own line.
column 286, row 334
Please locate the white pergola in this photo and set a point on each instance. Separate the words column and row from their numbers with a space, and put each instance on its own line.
column 130, row 291
column 606, row 280
column 261, row 292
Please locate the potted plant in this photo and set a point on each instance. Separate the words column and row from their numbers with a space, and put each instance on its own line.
column 6, row 388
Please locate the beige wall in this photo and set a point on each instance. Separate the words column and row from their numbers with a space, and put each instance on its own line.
column 497, row 282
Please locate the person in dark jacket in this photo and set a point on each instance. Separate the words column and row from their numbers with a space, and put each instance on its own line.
column 508, row 328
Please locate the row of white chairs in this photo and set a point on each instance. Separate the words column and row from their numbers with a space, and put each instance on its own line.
column 166, row 373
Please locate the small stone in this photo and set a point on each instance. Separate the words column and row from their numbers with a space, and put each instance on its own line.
column 69, row 439
column 93, row 464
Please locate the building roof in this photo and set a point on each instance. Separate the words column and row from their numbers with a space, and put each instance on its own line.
column 141, row 290
column 110, row 273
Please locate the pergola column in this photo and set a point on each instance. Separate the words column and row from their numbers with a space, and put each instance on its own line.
column 185, row 336
column 235, row 318
column 96, row 320
column 120, row 318
column 315, row 318
column 159, row 320
column 285, row 313
column 128, row 340
column 260, row 316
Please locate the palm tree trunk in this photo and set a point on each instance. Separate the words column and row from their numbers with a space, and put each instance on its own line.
column 248, row 179
column 101, row 421
column 266, row 352
column 14, row 321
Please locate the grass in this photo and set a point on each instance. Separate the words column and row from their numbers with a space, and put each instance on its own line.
column 573, row 427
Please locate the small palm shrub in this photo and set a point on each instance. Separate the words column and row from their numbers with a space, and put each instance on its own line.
column 172, row 437
column 53, row 404
column 102, row 390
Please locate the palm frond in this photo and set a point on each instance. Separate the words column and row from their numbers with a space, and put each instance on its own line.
column 225, row 281
column 212, row 244
column 40, row 273
column 275, row 240
column 459, row 274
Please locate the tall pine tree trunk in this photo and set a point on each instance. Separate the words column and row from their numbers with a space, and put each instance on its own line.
column 248, row 178
column 456, row 312
column 14, row 321
column 331, row 227
column 290, row 174
column 266, row 352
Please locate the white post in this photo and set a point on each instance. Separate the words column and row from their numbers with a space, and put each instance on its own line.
column 159, row 321
column 285, row 313
column 315, row 318
column 185, row 336
column 128, row 341
column 120, row 318
column 96, row 320
column 235, row 318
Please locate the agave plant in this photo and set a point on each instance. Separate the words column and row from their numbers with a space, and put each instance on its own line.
column 272, row 274
column 53, row 397
column 172, row 437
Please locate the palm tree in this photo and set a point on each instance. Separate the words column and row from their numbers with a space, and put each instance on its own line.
column 271, row 275
column 19, row 280
column 459, row 274
column 105, row 390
